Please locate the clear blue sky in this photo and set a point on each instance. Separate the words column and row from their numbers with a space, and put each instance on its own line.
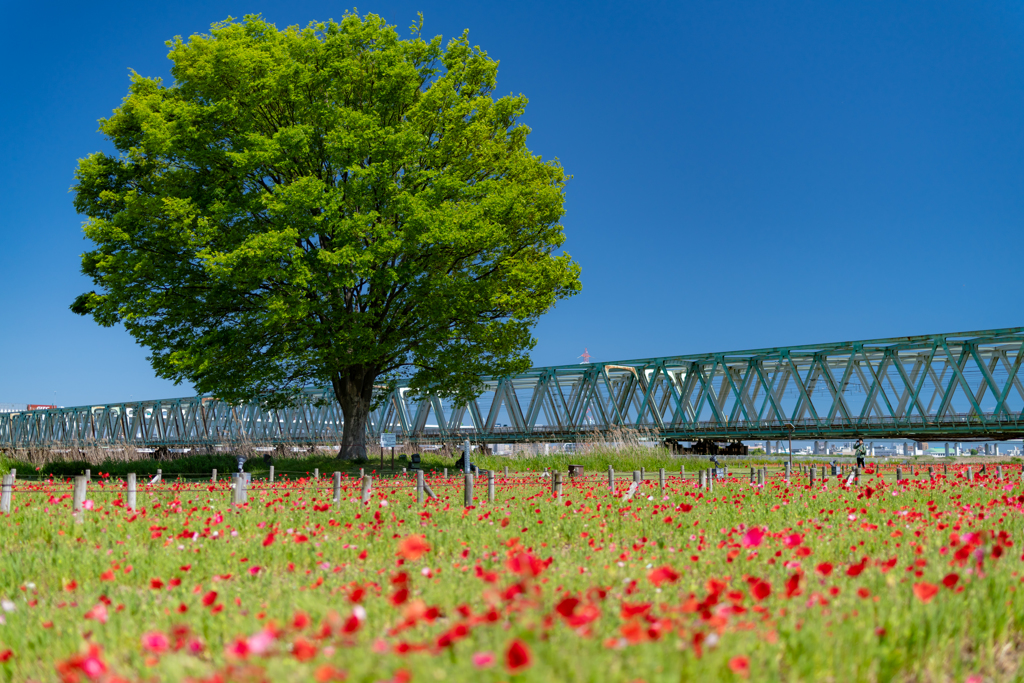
column 745, row 174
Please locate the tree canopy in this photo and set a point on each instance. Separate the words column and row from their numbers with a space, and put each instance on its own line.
column 333, row 205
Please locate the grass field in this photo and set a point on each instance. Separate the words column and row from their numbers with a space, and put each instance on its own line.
column 878, row 581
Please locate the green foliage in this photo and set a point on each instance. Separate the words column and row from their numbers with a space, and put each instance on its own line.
column 332, row 206
column 7, row 464
column 67, row 468
column 196, row 465
column 594, row 461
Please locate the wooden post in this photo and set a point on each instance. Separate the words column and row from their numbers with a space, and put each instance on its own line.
column 899, row 475
column 558, row 486
column 419, row 486
column 214, row 476
column 506, row 471
column 271, row 474
column 999, row 472
column 812, row 476
column 337, row 487
column 711, row 482
column 14, row 475
column 945, row 469
column 787, row 470
column 751, row 475
column 701, row 477
column 931, row 473
column 611, row 478
column 760, row 477
column 367, row 485
column 5, row 496
column 361, row 474
column 490, row 486
column 78, row 499
column 316, row 473
column 468, row 492
column 636, row 476
column 643, row 473
column 970, row 474
column 239, row 495
column 88, row 475
column 426, row 489
column 445, row 472
column 132, row 490
column 661, row 479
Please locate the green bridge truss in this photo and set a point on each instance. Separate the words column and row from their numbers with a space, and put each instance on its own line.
column 959, row 386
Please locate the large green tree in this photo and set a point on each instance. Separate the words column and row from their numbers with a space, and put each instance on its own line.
column 334, row 205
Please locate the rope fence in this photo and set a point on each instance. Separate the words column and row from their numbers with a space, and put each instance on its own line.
column 241, row 486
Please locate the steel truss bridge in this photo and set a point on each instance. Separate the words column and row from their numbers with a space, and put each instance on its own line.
column 959, row 386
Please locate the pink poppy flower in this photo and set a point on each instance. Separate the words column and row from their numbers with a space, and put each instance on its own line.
column 155, row 642
column 753, row 538
column 482, row 660
column 98, row 613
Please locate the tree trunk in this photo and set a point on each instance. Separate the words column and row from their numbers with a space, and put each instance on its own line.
column 354, row 391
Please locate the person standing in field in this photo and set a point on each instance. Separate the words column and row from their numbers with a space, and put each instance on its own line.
column 860, row 451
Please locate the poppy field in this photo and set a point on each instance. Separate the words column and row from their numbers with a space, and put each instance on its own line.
column 873, row 580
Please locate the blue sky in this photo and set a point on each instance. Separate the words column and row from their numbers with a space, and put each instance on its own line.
column 745, row 174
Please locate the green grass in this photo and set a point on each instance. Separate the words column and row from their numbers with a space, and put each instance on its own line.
column 478, row 574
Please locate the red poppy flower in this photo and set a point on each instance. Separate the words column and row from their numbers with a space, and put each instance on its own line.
column 517, row 656
column 925, row 591
column 856, row 569
column 400, row 596
column 413, row 547
column 740, row 666
column 567, row 606
column 761, row 590
column 303, row 650
column 662, row 575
